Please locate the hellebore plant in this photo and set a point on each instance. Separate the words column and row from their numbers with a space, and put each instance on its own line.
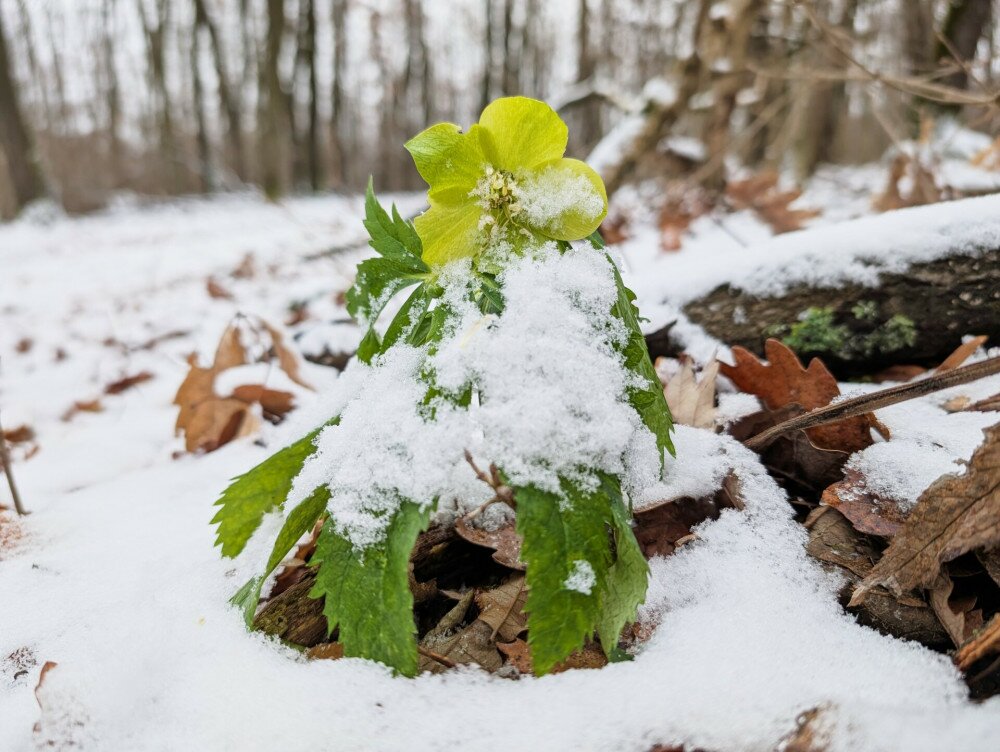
column 504, row 205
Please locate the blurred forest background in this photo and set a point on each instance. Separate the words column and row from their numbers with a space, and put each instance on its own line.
column 167, row 97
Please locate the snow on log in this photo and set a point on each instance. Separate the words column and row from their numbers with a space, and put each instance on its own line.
column 904, row 286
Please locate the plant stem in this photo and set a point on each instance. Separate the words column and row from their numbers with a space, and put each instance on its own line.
column 8, row 471
column 877, row 400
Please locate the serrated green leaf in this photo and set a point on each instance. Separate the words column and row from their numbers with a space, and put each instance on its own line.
column 406, row 233
column 377, row 282
column 408, row 317
column 255, row 493
column 648, row 399
column 367, row 594
column 557, row 533
column 383, row 233
column 299, row 522
column 628, row 577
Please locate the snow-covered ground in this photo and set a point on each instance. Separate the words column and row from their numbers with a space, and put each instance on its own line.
column 114, row 577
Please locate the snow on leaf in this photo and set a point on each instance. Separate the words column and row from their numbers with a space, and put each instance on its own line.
column 368, row 596
column 647, row 396
column 956, row 514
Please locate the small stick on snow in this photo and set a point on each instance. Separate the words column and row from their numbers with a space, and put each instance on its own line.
column 877, row 400
column 8, row 471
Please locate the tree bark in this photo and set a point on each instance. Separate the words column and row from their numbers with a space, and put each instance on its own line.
column 274, row 112
column 966, row 23
column 15, row 137
column 228, row 101
column 943, row 300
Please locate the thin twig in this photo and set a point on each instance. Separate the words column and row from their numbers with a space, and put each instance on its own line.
column 444, row 661
column 9, row 472
column 502, row 491
column 877, row 400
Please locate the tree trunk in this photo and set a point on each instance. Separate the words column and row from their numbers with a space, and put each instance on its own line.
column 228, row 102
column 339, row 20
column 15, row 137
column 966, row 23
column 274, row 110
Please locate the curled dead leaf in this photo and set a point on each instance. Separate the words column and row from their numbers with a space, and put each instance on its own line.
column 691, row 400
column 956, row 514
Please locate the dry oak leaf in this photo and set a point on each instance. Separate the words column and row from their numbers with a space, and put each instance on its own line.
column 216, row 291
column 955, row 515
column 518, row 654
column 783, row 381
column 869, row 512
column 691, row 400
column 958, row 616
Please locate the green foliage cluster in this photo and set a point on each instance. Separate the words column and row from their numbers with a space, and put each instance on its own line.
column 817, row 331
column 366, row 593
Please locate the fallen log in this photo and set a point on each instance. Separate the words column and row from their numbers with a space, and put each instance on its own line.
column 917, row 316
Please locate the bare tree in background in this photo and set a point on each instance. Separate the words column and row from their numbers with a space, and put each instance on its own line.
column 274, row 111
column 966, row 22
column 15, row 138
column 229, row 103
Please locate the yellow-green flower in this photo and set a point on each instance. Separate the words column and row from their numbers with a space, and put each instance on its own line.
column 503, row 183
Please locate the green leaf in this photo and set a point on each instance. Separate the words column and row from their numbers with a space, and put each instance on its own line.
column 299, row 522
column 367, row 594
column 596, row 239
column 255, row 493
column 490, row 296
column 377, row 282
column 648, row 399
column 628, row 577
column 389, row 238
column 409, row 316
column 558, row 533
column 379, row 279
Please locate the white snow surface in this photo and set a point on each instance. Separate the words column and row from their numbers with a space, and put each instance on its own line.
column 115, row 579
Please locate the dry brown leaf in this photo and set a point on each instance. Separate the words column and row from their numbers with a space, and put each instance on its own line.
column 215, row 422
column 869, row 512
column 760, row 194
column 503, row 608
column 692, row 400
column 216, row 291
column 910, row 183
column 24, row 345
column 276, row 403
column 326, row 651
column 956, row 514
column 899, row 373
column 833, row 540
column 473, row 643
column 783, row 381
column 286, row 358
column 519, row 655
column 983, row 643
column 988, row 158
column 958, row 617
column 127, row 382
column 683, row 205
column 504, row 541
column 20, row 434
column 808, row 735
column 82, row 406
column 247, row 268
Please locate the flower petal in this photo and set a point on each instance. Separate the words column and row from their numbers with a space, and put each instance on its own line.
column 522, row 133
column 564, row 199
column 448, row 232
column 451, row 162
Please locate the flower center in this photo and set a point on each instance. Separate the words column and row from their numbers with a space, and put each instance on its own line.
column 499, row 196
